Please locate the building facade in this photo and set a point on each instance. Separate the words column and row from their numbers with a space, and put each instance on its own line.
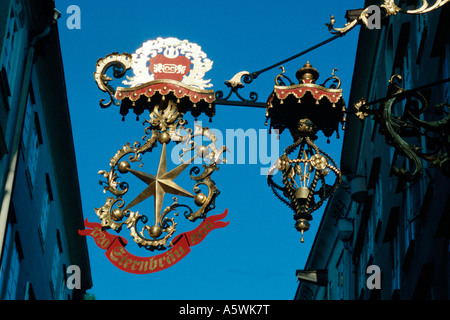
column 383, row 237
column 42, row 255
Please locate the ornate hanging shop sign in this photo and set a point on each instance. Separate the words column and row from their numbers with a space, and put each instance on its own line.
column 168, row 82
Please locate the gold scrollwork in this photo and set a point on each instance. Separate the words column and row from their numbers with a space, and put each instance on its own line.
column 120, row 62
column 165, row 124
column 301, row 177
column 391, row 9
column 397, row 129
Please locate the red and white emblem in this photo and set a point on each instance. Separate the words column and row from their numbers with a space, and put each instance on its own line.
column 170, row 58
column 169, row 68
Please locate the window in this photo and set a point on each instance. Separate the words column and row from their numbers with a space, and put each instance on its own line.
column 28, row 116
column 63, row 282
column 370, row 239
column 35, row 141
column 421, row 37
column 29, row 292
column 33, row 156
column 378, row 200
column 406, row 69
column 56, row 268
column 13, row 276
column 395, row 257
column 408, row 211
column 379, row 210
column 45, row 209
column 57, row 279
column 412, row 200
column 8, row 49
column 26, row 123
column 401, row 57
column 9, row 273
column 9, row 55
column 5, row 261
column 389, row 51
column 340, row 278
column 4, row 86
column 445, row 71
column 361, row 276
column 422, row 24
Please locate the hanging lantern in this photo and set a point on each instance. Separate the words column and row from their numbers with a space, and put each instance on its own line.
column 304, row 109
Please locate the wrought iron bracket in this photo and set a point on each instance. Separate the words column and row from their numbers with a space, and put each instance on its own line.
column 237, row 81
column 361, row 16
column 397, row 129
column 354, row 18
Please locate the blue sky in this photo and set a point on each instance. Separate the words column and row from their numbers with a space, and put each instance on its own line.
column 257, row 254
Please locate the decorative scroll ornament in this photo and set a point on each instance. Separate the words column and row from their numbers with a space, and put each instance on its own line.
column 120, row 64
column 305, row 108
column 235, row 83
column 390, row 8
column 168, row 82
column 398, row 129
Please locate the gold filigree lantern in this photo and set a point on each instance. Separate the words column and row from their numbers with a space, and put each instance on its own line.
column 304, row 109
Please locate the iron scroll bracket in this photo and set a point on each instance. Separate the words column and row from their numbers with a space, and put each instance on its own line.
column 399, row 129
column 238, row 80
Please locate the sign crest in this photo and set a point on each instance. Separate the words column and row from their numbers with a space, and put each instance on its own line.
column 170, row 58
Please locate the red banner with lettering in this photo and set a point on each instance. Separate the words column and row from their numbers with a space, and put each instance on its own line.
column 124, row 260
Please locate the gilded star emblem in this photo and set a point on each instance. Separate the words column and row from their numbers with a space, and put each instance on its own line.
column 160, row 184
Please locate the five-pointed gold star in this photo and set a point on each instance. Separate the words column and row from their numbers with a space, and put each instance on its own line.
column 160, row 184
